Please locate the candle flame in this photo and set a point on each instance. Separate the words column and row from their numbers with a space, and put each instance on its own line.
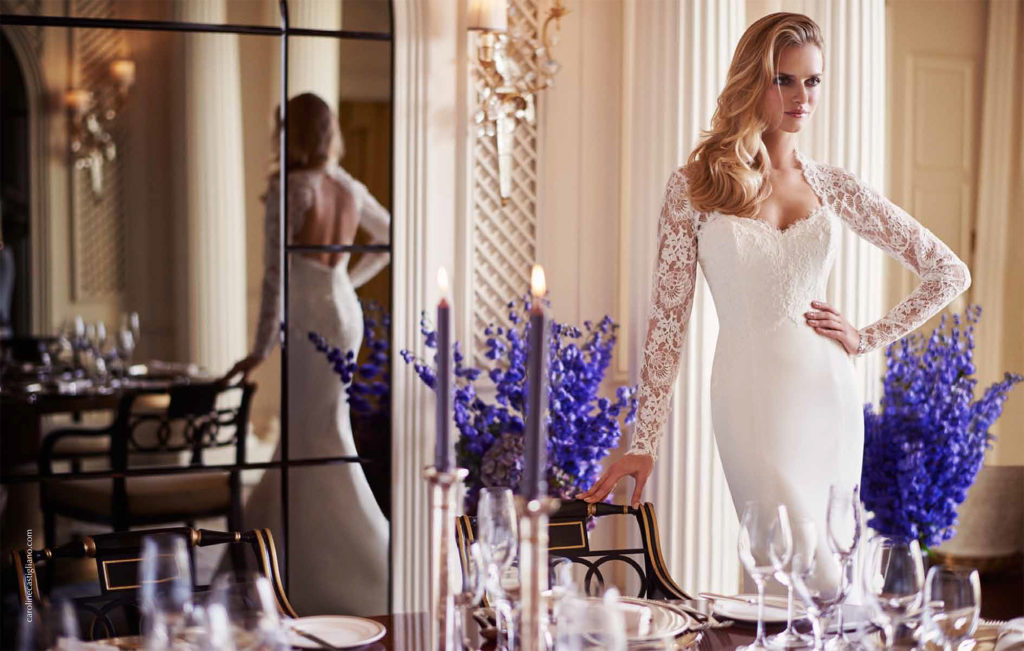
column 537, row 282
column 442, row 281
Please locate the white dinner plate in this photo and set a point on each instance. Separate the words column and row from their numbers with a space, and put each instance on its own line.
column 666, row 621
column 774, row 609
column 336, row 630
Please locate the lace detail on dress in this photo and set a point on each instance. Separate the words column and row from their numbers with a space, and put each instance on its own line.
column 670, row 306
column 875, row 218
column 301, row 196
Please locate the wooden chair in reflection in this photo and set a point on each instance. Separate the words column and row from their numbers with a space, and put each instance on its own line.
column 113, row 609
column 569, row 537
column 155, row 429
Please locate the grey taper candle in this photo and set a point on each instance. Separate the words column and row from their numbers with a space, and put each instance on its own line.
column 444, row 451
column 534, row 483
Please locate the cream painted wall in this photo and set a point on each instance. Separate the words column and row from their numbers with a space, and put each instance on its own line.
column 581, row 238
column 936, row 67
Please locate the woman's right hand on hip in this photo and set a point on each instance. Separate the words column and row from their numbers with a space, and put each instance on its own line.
column 637, row 466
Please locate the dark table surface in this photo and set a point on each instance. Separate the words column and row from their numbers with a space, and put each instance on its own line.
column 411, row 632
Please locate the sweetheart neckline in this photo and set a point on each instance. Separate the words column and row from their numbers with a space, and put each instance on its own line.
column 775, row 229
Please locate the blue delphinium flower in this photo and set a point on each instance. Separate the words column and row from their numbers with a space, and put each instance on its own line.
column 583, row 426
column 925, row 445
column 367, row 383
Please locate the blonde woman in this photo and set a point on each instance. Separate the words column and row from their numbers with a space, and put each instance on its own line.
column 764, row 221
column 338, row 534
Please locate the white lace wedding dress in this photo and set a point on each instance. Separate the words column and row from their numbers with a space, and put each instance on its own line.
column 785, row 405
column 338, row 534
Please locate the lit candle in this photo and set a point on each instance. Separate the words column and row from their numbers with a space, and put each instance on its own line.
column 534, row 471
column 488, row 15
column 78, row 100
column 123, row 72
column 444, row 452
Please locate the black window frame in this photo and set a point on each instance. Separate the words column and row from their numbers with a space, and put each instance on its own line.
column 283, row 31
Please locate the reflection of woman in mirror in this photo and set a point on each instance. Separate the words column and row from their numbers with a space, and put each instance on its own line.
column 765, row 223
column 338, row 535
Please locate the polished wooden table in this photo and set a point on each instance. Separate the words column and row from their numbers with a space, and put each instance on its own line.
column 411, row 632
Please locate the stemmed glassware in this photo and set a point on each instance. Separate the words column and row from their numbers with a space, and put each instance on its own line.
column 765, row 540
column 893, row 579
column 498, row 527
column 241, row 610
column 787, row 569
column 822, row 589
column 843, row 528
column 586, row 623
column 165, row 592
column 126, row 343
column 952, row 605
column 471, row 590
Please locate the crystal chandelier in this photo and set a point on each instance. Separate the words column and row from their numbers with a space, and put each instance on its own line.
column 516, row 67
column 92, row 120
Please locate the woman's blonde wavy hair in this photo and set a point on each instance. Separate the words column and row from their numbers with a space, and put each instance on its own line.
column 731, row 159
column 314, row 137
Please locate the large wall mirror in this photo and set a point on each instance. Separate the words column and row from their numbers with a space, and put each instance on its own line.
column 140, row 208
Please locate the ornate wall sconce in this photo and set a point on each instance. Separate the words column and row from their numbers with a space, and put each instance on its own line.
column 518, row 66
column 92, row 121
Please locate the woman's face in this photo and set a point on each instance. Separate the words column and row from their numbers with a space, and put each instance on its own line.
column 790, row 99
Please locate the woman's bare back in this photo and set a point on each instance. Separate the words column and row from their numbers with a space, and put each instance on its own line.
column 332, row 220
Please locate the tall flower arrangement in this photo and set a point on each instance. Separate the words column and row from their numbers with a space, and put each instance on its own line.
column 583, row 426
column 924, row 446
column 367, row 383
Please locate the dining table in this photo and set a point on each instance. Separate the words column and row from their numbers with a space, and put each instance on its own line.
column 411, row 632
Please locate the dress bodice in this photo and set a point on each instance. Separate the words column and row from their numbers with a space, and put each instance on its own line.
column 761, row 276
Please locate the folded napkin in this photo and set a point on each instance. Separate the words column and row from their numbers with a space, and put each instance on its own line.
column 1011, row 635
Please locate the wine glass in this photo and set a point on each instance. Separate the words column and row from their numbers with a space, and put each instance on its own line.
column 586, row 623
column 498, row 527
column 246, row 601
column 893, row 578
column 822, row 589
column 165, row 592
column 787, row 569
column 844, row 520
column 952, row 605
column 765, row 537
column 48, row 627
column 125, row 347
column 131, row 322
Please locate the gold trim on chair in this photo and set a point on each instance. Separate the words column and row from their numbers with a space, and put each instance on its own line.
column 265, row 539
column 649, row 522
column 583, row 536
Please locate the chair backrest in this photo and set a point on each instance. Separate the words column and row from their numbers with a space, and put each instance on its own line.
column 188, row 418
column 31, row 350
column 569, row 536
column 114, row 609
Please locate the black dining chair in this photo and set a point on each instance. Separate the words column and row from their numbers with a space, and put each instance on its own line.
column 569, row 536
column 111, row 608
column 175, row 426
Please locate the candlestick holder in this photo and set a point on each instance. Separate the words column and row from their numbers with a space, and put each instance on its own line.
column 444, row 633
column 533, row 568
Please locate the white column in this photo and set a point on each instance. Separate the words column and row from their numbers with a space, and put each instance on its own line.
column 676, row 56
column 214, row 224
column 430, row 154
column 848, row 130
column 315, row 62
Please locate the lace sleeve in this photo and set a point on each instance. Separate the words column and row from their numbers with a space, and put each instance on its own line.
column 300, row 199
column 376, row 220
column 943, row 275
column 670, row 306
